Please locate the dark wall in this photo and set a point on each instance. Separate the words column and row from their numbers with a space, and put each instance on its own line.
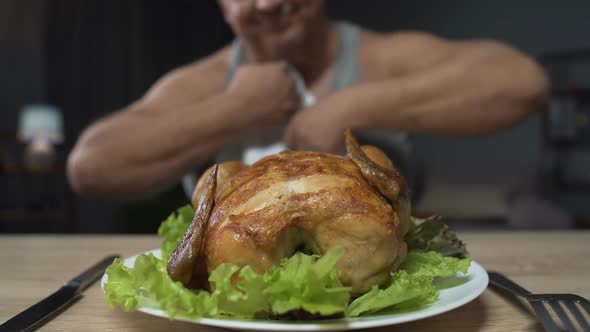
column 534, row 26
column 21, row 57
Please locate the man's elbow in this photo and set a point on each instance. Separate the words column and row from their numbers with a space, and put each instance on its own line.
column 90, row 176
column 515, row 73
column 84, row 175
column 526, row 80
column 534, row 86
column 528, row 93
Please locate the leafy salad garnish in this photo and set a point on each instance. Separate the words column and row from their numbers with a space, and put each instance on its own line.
column 302, row 282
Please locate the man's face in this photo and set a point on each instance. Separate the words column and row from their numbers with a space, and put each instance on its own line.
column 276, row 24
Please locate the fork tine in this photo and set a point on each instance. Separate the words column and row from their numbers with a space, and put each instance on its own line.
column 585, row 304
column 544, row 316
column 569, row 325
column 578, row 314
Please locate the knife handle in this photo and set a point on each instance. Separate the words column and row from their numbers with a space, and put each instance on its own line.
column 500, row 280
column 88, row 277
column 41, row 312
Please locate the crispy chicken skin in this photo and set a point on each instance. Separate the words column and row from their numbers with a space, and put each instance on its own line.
column 225, row 172
column 305, row 200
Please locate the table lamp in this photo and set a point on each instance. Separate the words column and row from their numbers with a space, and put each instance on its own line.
column 40, row 129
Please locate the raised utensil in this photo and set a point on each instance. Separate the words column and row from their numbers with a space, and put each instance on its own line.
column 560, row 303
column 49, row 307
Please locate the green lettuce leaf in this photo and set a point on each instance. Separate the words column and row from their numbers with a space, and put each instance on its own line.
column 243, row 301
column 172, row 230
column 148, row 283
column 403, row 288
column 434, row 264
column 301, row 283
column 412, row 286
column 122, row 288
column 432, row 234
column 306, row 282
column 309, row 283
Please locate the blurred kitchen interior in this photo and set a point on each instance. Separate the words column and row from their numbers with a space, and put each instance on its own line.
column 88, row 58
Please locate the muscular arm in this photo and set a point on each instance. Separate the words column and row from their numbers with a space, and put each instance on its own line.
column 148, row 146
column 436, row 87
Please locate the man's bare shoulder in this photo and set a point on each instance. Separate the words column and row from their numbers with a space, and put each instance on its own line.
column 405, row 50
column 197, row 80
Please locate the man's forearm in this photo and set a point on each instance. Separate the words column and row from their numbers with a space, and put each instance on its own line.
column 138, row 152
column 470, row 94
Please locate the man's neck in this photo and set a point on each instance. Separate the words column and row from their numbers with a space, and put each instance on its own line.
column 312, row 57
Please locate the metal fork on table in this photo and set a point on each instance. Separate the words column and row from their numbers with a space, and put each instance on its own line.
column 558, row 302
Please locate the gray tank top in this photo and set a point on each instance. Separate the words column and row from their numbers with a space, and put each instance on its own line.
column 346, row 73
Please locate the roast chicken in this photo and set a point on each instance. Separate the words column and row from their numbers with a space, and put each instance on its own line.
column 299, row 200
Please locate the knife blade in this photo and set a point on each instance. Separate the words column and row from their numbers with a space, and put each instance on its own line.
column 41, row 312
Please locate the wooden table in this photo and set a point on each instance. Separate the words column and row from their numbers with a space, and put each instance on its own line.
column 34, row 266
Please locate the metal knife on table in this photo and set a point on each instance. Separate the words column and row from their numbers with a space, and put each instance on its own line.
column 44, row 310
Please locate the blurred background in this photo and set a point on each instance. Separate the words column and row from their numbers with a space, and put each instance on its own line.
column 72, row 62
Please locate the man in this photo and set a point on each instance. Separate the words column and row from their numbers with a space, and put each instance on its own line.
column 400, row 82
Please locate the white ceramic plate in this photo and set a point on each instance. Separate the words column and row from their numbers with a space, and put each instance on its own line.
column 450, row 298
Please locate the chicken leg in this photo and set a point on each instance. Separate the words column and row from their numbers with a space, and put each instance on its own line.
column 187, row 263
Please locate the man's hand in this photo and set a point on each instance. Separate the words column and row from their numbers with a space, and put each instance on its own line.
column 268, row 92
column 321, row 127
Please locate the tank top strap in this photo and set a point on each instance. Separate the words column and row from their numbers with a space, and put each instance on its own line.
column 347, row 71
